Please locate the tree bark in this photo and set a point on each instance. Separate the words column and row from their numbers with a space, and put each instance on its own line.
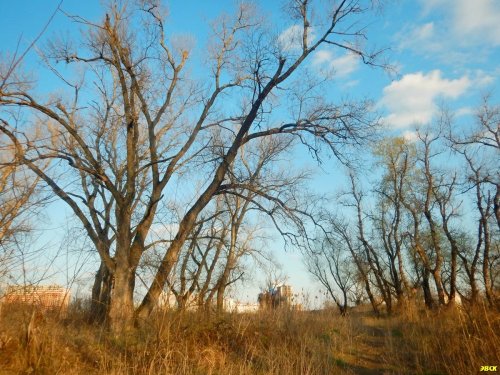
column 121, row 309
column 429, row 301
column 101, row 295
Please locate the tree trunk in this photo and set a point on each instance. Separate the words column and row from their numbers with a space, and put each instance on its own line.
column 474, row 292
column 223, row 280
column 496, row 205
column 220, row 298
column 454, row 255
column 121, row 310
column 101, row 295
column 370, row 295
column 490, row 296
column 439, row 285
column 388, row 300
column 209, row 303
column 429, row 301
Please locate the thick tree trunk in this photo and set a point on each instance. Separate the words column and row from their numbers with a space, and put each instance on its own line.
column 121, row 310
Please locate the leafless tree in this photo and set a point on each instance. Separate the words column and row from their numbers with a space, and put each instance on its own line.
column 480, row 149
column 365, row 256
column 397, row 159
column 135, row 122
column 20, row 200
column 330, row 266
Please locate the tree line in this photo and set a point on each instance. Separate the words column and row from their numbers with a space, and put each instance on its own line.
column 427, row 228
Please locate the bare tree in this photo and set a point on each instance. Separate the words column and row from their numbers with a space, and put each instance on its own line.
column 397, row 159
column 145, row 122
column 480, row 149
column 17, row 195
column 20, row 201
column 366, row 258
column 330, row 267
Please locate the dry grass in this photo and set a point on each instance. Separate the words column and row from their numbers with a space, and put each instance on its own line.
column 281, row 342
column 454, row 341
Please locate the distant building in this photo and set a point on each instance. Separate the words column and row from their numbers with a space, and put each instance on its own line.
column 167, row 300
column 45, row 297
column 279, row 296
column 231, row 305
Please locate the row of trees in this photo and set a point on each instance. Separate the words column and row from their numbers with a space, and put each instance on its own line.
column 137, row 122
column 433, row 229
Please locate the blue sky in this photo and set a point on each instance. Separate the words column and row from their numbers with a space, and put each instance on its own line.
column 443, row 51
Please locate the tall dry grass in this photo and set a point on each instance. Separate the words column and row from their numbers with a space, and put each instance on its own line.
column 276, row 342
column 451, row 341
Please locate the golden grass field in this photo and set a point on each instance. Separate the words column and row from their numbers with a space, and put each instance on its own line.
column 275, row 342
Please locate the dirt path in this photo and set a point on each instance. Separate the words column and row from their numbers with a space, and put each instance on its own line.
column 371, row 348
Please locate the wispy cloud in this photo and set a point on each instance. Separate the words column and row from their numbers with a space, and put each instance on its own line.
column 472, row 21
column 459, row 31
column 329, row 64
column 464, row 111
column 423, row 36
column 477, row 20
column 291, row 39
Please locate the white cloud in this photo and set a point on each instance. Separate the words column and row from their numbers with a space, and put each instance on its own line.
column 291, row 38
column 410, row 135
column 341, row 66
column 322, row 56
column 470, row 20
column 412, row 99
column 478, row 19
column 454, row 32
